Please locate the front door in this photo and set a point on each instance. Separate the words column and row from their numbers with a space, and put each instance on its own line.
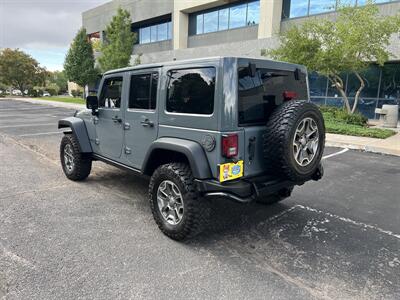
column 141, row 116
column 109, row 127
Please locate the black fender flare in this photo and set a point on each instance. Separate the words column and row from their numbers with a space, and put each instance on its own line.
column 78, row 128
column 193, row 151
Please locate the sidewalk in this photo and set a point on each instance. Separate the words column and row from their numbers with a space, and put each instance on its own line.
column 387, row 146
column 48, row 102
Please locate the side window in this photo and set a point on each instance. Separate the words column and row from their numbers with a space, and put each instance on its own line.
column 143, row 91
column 111, row 92
column 191, row 91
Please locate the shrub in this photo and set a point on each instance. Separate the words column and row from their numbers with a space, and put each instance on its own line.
column 35, row 92
column 53, row 89
column 341, row 115
column 77, row 93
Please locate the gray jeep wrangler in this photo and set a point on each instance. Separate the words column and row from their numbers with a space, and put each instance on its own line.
column 229, row 127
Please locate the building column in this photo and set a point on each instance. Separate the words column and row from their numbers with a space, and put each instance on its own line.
column 180, row 24
column 270, row 18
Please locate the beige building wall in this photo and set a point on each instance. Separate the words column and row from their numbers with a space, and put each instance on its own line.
column 72, row 86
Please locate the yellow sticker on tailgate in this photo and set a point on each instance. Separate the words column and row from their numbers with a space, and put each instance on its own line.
column 230, row 171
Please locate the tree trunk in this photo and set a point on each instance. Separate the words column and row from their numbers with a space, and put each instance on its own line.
column 357, row 96
column 338, row 83
column 21, row 88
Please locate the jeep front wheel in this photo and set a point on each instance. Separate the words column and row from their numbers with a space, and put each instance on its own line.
column 176, row 206
column 76, row 165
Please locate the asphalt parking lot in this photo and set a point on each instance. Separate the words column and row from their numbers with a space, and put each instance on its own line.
column 338, row 238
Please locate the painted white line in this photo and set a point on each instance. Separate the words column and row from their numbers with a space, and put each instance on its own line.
column 347, row 220
column 25, row 108
column 28, row 125
column 41, row 133
column 336, row 153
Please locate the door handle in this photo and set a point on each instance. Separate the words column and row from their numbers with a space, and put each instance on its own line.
column 147, row 123
column 116, row 119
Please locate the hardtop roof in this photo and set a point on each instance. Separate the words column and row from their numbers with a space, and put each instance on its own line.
column 197, row 60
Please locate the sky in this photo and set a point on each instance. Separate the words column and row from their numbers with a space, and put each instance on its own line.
column 42, row 28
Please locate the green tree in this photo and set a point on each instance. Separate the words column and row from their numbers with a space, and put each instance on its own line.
column 79, row 62
column 20, row 70
column 60, row 79
column 118, row 44
column 357, row 37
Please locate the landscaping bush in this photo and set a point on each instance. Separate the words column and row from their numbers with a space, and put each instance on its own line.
column 338, row 121
column 77, row 93
column 35, row 92
column 341, row 115
column 53, row 89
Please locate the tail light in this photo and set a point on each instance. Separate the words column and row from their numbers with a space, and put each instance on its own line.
column 230, row 145
column 289, row 95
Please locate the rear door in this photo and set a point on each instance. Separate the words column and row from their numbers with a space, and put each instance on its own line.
column 141, row 121
column 257, row 97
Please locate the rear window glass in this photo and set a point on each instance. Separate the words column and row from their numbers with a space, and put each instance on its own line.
column 191, row 91
column 143, row 92
column 259, row 94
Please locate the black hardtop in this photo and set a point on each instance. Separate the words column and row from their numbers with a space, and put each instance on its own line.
column 242, row 61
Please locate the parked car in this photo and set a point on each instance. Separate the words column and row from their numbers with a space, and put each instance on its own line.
column 229, row 127
column 16, row 92
column 46, row 94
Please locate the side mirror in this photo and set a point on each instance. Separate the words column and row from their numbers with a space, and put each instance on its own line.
column 92, row 103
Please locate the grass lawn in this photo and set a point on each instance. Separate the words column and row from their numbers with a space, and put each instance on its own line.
column 340, row 127
column 64, row 99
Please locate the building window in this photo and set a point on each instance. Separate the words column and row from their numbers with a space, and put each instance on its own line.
column 155, row 33
column 191, row 91
column 237, row 16
column 226, row 17
column 382, row 86
column 143, row 91
column 303, row 8
column 321, row 6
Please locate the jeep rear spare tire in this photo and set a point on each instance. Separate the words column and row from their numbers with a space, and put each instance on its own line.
column 294, row 140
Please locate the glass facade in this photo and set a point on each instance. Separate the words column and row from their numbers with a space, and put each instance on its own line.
column 226, row 17
column 155, row 33
column 382, row 86
column 303, row 8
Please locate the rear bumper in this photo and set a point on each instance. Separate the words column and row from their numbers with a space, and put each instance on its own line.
column 247, row 190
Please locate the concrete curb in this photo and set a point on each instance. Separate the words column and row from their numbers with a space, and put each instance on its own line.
column 389, row 146
column 49, row 102
column 364, row 148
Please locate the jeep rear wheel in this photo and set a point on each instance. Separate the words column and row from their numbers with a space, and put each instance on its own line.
column 76, row 165
column 294, row 140
column 176, row 206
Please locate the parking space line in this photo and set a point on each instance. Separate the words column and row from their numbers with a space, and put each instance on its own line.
column 347, row 220
column 41, row 133
column 26, row 108
column 27, row 125
column 336, row 153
